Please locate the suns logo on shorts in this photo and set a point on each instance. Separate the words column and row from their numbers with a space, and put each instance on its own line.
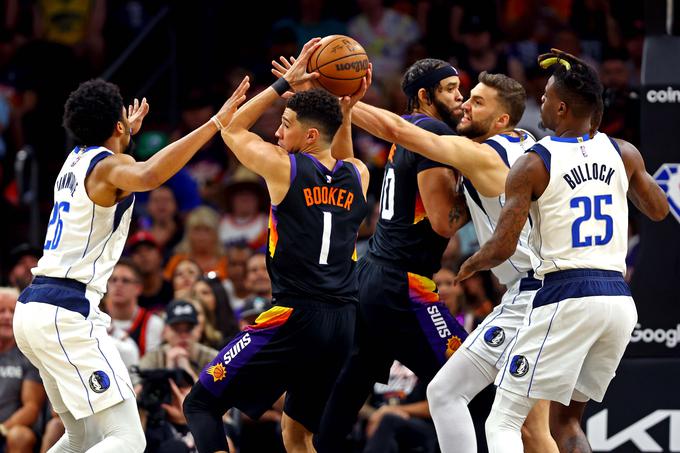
column 452, row 345
column 519, row 365
column 99, row 382
column 494, row 336
column 218, row 372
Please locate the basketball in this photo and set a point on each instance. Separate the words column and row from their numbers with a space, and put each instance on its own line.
column 341, row 62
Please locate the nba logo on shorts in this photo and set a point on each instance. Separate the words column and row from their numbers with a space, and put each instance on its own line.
column 99, row 382
column 519, row 365
column 494, row 336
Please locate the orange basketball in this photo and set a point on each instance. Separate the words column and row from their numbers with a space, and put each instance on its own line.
column 341, row 62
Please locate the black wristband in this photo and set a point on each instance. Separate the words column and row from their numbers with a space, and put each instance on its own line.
column 281, row 86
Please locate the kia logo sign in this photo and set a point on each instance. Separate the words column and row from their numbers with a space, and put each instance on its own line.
column 669, row 95
column 602, row 440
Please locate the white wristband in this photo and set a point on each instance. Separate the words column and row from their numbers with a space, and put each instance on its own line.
column 217, row 122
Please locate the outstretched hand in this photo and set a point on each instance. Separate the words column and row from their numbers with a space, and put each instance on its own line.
column 136, row 113
column 226, row 112
column 294, row 70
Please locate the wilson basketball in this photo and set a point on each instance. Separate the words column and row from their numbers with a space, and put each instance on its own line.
column 341, row 62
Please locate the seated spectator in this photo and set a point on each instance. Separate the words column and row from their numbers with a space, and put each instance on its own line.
column 398, row 415
column 211, row 292
column 257, row 276
column 157, row 292
column 22, row 396
column 206, row 333
column 201, row 243
column 168, row 431
column 128, row 319
column 244, row 220
column 453, row 296
column 163, row 220
column 253, row 307
column 186, row 273
column 235, row 285
column 180, row 350
column 22, row 259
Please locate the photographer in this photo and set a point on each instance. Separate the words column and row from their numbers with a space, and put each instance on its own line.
column 166, row 375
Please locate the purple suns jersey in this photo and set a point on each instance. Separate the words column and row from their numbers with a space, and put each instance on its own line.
column 404, row 235
column 313, row 231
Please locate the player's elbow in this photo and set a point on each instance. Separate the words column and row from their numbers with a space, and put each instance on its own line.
column 442, row 227
column 659, row 212
column 149, row 179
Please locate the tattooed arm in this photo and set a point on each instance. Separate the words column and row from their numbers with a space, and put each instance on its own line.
column 442, row 202
column 527, row 180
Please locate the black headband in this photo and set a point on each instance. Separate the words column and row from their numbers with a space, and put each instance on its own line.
column 429, row 79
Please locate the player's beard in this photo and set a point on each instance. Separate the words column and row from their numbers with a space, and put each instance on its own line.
column 475, row 129
column 446, row 114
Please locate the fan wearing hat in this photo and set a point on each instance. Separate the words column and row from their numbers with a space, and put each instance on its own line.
column 181, row 348
column 22, row 259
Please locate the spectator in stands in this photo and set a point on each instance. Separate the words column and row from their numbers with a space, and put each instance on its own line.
column 386, row 35
column 184, row 189
column 206, row 332
column 453, row 296
column 210, row 163
column 257, row 277
column 128, row 319
column 621, row 117
column 163, row 220
column 201, row 243
column 22, row 259
column 480, row 53
column 157, row 292
column 398, row 416
column 235, row 285
column 22, row 396
column 211, row 292
column 244, row 219
column 253, row 308
column 186, row 273
column 180, row 350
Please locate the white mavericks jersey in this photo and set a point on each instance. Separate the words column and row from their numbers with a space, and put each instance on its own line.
column 83, row 241
column 581, row 220
column 485, row 211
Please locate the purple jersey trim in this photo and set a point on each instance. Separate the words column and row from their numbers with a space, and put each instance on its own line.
column 293, row 168
column 356, row 171
column 321, row 166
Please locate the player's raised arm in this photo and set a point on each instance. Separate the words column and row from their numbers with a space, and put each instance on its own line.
column 527, row 178
column 477, row 162
column 342, row 147
column 262, row 157
column 123, row 173
column 643, row 191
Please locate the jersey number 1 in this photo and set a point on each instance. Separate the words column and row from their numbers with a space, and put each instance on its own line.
column 55, row 220
column 326, row 237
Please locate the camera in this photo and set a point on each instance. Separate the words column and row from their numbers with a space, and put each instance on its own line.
column 156, row 390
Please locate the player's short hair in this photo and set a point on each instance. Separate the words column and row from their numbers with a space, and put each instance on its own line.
column 580, row 88
column 511, row 94
column 92, row 111
column 319, row 108
column 127, row 262
column 416, row 71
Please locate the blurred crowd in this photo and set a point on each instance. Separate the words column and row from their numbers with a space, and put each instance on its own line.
column 194, row 270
